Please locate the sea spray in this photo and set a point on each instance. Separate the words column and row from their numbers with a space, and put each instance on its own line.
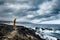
column 44, row 34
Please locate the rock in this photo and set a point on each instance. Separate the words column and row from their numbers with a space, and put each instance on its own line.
column 21, row 33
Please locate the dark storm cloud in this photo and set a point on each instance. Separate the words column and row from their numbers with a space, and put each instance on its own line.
column 34, row 8
column 37, row 2
column 5, row 10
column 53, row 13
column 2, row 2
column 20, row 13
column 25, row 8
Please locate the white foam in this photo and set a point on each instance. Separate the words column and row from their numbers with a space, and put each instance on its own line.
column 57, row 31
column 43, row 34
column 48, row 31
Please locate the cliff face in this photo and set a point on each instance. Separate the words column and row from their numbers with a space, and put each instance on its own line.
column 22, row 33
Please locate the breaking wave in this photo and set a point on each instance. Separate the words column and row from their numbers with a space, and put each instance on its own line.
column 47, row 34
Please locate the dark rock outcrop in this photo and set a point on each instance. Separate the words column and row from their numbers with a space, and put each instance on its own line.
column 22, row 33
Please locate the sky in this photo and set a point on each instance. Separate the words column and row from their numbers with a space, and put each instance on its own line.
column 33, row 11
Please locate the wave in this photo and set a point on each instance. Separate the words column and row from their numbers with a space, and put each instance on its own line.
column 46, row 33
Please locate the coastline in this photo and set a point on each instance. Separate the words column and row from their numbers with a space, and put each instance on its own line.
column 22, row 33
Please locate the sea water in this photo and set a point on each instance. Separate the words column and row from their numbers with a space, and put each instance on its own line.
column 50, row 32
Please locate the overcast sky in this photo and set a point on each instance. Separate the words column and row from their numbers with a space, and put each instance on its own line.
column 33, row 11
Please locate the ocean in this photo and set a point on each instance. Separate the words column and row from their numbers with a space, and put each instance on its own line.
column 50, row 31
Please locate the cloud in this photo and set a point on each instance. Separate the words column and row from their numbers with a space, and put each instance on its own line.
column 30, row 16
column 35, row 21
column 34, row 11
column 47, row 7
column 1, row 2
column 48, row 11
column 13, row 8
column 52, row 22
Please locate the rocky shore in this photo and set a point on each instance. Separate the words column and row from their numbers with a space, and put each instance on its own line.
column 7, row 32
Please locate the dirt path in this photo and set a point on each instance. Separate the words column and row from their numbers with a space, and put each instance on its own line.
column 11, row 35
